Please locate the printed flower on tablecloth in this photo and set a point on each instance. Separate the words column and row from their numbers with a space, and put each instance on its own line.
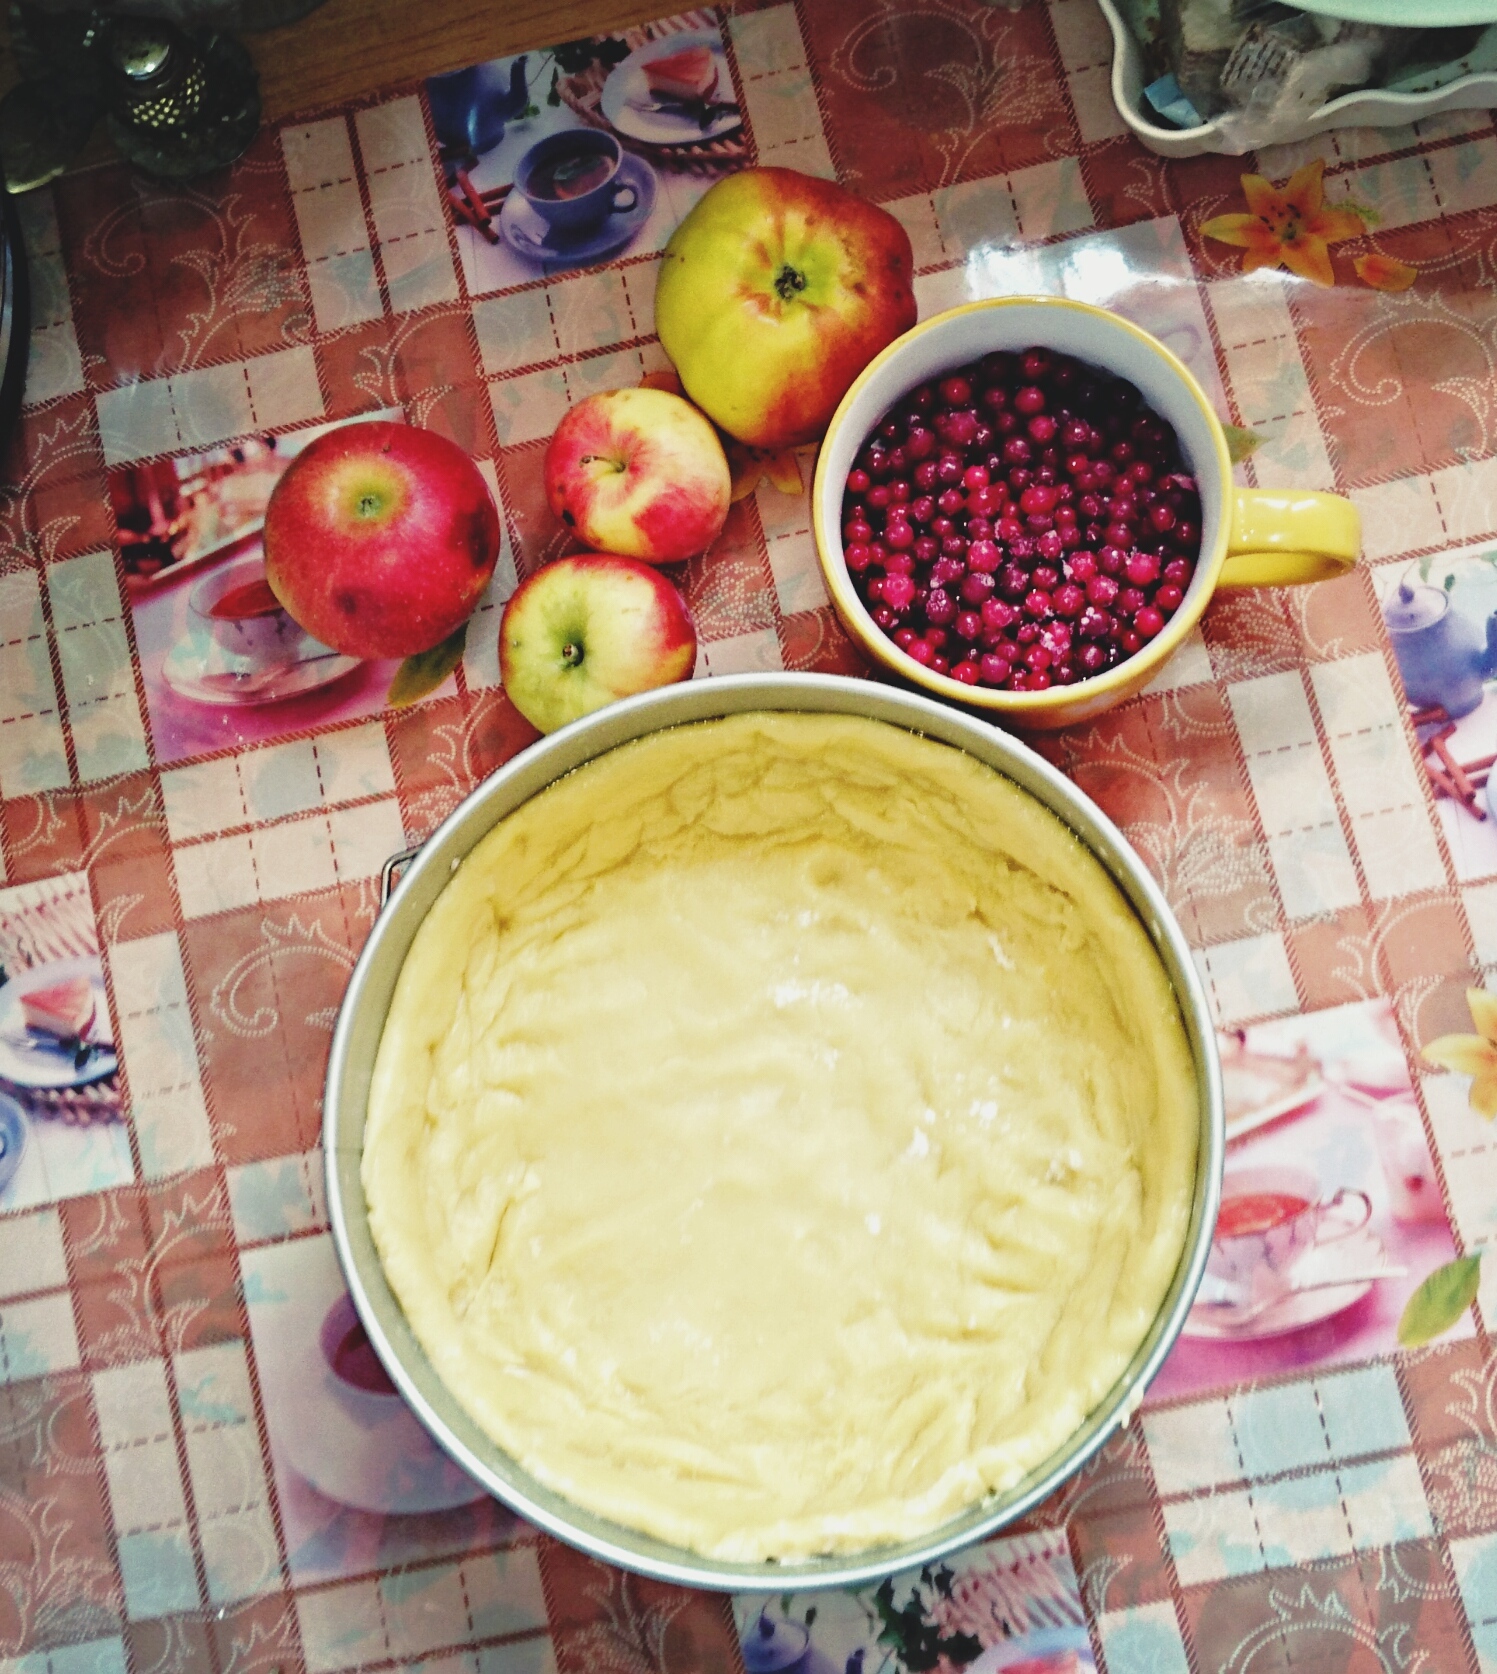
column 1385, row 273
column 1473, row 1055
column 1292, row 226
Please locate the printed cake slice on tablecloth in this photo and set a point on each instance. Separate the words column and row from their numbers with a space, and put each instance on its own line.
column 688, row 74
column 64, row 1010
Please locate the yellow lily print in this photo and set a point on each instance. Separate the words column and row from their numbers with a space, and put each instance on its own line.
column 1473, row 1055
column 1287, row 226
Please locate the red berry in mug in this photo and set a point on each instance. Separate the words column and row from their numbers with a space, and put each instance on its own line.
column 940, row 607
column 988, row 503
column 899, row 591
column 1037, row 604
column 984, row 556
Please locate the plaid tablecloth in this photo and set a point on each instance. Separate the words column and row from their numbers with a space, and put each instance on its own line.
column 184, row 1481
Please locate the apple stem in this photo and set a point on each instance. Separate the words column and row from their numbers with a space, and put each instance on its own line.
column 788, row 281
column 571, row 653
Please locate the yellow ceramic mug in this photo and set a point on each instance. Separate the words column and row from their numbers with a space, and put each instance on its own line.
column 1249, row 537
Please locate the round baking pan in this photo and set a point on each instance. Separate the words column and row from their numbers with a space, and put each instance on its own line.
column 361, row 1022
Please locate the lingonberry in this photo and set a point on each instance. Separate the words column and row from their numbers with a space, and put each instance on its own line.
column 1032, row 505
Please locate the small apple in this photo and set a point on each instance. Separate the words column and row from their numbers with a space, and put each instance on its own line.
column 639, row 472
column 380, row 539
column 583, row 631
column 774, row 294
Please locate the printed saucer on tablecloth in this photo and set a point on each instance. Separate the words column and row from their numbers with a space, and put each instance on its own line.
column 632, row 110
column 391, row 1467
column 33, row 1061
column 12, row 1139
column 227, row 688
column 364, row 1450
column 1242, row 1123
column 529, row 236
column 1361, row 1253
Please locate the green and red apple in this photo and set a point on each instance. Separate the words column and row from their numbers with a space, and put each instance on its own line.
column 641, row 473
column 380, row 539
column 775, row 292
column 584, row 631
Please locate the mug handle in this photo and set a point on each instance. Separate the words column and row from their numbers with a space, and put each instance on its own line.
column 1279, row 537
column 618, row 192
column 1344, row 1229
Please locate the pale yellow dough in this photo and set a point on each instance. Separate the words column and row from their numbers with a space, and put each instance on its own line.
column 783, row 1135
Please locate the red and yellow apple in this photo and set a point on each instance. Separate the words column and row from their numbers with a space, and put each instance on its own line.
column 775, row 292
column 639, row 472
column 380, row 539
column 583, row 631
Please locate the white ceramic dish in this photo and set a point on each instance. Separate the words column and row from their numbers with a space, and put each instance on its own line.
column 1365, row 108
column 1433, row 14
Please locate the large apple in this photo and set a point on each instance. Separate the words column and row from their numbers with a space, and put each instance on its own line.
column 584, row 631
column 775, row 292
column 380, row 539
column 639, row 472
